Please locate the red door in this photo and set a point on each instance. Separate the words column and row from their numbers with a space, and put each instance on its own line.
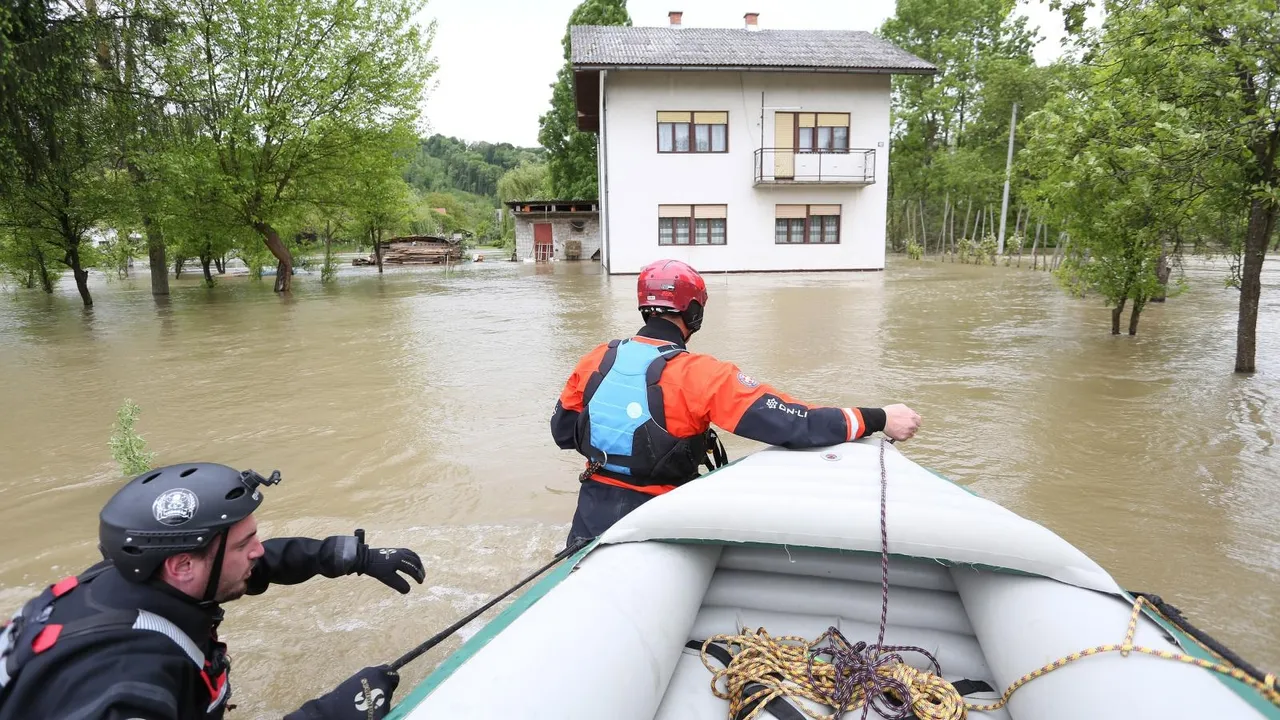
column 542, row 245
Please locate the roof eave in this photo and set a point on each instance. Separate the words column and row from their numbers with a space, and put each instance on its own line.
column 589, row 67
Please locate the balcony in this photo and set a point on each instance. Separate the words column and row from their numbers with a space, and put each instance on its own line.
column 787, row 166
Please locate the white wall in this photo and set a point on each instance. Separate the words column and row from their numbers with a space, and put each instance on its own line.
column 640, row 178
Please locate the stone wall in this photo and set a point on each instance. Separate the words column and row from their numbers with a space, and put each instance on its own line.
column 561, row 232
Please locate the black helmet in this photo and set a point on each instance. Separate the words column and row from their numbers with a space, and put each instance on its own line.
column 175, row 509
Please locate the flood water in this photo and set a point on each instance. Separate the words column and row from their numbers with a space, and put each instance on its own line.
column 416, row 405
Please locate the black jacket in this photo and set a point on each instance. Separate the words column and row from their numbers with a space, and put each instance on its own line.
column 121, row 673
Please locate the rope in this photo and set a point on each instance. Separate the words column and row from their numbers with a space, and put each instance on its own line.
column 834, row 673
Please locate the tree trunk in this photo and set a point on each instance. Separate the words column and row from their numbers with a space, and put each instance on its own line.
column 284, row 265
column 42, row 268
column 81, row 275
column 220, row 263
column 156, row 257
column 1035, row 244
column 206, row 257
column 1262, row 221
column 178, row 263
column 1162, row 276
column 924, row 228
column 1115, row 316
column 155, row 239
column 1133, row 316
column 377, row 247
column 942, row 233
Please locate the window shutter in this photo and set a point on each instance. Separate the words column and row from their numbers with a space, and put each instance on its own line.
column 673, row 117
column 833, row 120
column 790, row 211
column 711, row 118
column 823, row 210
column 711, row 211
column 673, row 211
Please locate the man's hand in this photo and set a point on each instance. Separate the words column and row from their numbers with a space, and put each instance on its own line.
column 365, row 695
column 900, row 422
column 384, row 563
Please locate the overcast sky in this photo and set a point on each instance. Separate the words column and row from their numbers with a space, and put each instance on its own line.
column 479, row 94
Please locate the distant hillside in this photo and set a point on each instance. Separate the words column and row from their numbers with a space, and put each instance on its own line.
column 443, row 164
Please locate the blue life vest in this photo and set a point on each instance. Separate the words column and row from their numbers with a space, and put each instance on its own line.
column 622, row 429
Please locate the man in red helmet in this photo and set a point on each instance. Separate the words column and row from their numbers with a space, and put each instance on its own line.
column 641, row 409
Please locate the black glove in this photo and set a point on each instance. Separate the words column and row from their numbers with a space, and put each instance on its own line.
column 383, row 563
column 363, row 696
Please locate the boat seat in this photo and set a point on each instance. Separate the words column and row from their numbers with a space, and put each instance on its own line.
column 803, row 593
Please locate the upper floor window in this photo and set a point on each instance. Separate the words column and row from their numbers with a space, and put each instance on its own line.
column 692, row 224
column 819, row 132
column 700, row 132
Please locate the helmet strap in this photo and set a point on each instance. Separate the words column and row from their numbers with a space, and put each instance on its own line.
column 215, row 573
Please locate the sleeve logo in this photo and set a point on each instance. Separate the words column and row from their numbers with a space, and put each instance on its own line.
column 748, row 381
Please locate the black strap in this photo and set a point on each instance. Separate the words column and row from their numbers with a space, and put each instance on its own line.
column 969, row 687
column 778, row 707
column 719, row 458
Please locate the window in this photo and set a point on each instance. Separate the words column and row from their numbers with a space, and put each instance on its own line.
column 820, row 132
column 692, row 224
column 806, row 224
column 699, row 132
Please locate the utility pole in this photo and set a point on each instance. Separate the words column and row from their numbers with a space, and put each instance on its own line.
column 1008, row 168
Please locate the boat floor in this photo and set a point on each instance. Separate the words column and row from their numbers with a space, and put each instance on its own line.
column 803, row 593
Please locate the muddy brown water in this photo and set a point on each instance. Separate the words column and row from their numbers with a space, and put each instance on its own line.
column 415, row 406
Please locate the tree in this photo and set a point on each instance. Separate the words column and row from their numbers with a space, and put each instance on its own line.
column 377, row 198
column 1118, row 175
column 527, row 182
column 572, row 153
column 1225, row 87
column 130, row 65
column 951, row 129
column 289, row 91
column 52, row 141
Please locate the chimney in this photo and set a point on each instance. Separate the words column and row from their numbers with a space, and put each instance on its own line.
column 751, row 21
column 675, row 17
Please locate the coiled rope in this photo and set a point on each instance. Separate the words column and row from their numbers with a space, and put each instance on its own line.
column 845, row 676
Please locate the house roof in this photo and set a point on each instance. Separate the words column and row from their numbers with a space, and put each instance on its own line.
column 553, row 206
column 601, row 47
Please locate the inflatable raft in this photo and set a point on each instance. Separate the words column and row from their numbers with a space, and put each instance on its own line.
column 790, row 542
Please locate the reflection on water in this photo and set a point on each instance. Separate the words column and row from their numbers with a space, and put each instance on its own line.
column 416, row 405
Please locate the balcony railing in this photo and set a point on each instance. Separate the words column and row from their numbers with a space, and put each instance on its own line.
column 787, row 166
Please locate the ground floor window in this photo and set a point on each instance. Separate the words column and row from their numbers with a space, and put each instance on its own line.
column 806, row 224
column 693, row 224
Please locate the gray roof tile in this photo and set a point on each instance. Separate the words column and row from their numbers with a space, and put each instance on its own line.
column 834, row 50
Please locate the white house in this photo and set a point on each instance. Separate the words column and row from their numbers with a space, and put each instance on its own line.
column 739, row 149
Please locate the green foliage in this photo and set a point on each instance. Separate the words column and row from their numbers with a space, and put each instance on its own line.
column 25, row 257
column 950, row 129
column 986, row 251
column 54, row 183
column 128, row 448
column 529, row 181
column 572, row 153
column 966, row 249
column 292, row 91
column 914, row 251
column 443, row 163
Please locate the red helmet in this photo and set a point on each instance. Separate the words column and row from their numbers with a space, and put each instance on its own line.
column 670, row 286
